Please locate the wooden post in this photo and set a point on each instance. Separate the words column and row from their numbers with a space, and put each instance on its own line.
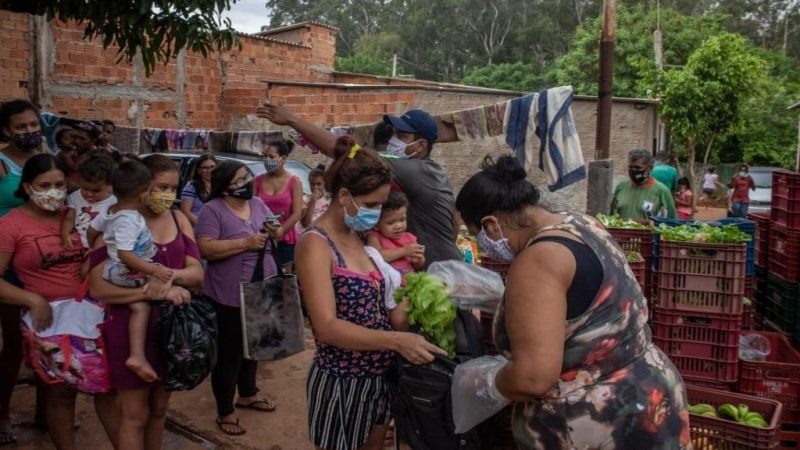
column 606, row 81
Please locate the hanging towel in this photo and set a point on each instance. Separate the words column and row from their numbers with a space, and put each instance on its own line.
column 255, row 142
column 494, row 118
column 50, row 124
column 516, row 121
column 153, row 140
column 362, row 134
column 446, row 127
column 175, row 138
column 218, row 142
column 190, row 140
column 470, row 124
column 560, row 155
column 204, row 142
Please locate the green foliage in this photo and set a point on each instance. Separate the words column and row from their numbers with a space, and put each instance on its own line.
column 158, row 29
column 516, row 77
column 373, row 55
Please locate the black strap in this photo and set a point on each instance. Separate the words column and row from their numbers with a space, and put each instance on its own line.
column 258, row 273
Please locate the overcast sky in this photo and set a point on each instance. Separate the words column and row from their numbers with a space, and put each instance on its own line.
column 248, row 16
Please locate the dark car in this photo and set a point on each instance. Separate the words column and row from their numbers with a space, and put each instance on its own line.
column 186, row 162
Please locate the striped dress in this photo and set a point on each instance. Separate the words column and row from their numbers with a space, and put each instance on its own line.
column 347, row 393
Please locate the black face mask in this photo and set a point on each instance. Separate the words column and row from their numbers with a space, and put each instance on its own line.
column 638, row 176
column 243, row 193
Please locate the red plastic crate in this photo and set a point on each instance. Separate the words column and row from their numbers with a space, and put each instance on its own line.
column 785, row 218
column 749, row 287
column 639, row 268
column 784, row 252
column 702, row 277
column 497, row 267
column 726, row 434
column 747, row 317
column 762, row 221
column 790, row 438
column 700, row 383
column 777, row 378
column 785, row 207
column 639, row 241
column 702, row 347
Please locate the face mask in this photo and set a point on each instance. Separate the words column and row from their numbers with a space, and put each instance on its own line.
column 27, row 141
column 742, row 174
column 49, row 200
column 638, row 176
column 271, row 165
column 397, row 148
column 365, row 219
column 496, row 250
column 160, row 201
column 243, row 193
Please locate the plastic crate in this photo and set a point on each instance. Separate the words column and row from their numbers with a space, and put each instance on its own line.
column 762, row 221
column 747, row 317
column 702, row 346
column 695, row 382
column 701, row 277
column 726, row 434
column 782, row 302
column 745, row 225
column 790, row 438
column 497, row 267
column 761, row 292
column 749, row 287
column 784, row 252
column 639, row 241
column 639, row 268
column 777, row 378
column 785, row 207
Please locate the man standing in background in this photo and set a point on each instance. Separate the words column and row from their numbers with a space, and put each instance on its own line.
column 664, row 172
column 741, row 184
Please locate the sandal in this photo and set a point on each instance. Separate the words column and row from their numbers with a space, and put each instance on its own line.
column 223, row 423
column 269, row 406
column 7, row 437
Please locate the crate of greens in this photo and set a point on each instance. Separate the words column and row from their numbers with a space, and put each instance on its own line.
column 638, row 266
column 702, row 268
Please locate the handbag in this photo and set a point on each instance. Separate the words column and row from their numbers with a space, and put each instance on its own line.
column 71, row 350
column 272, row 319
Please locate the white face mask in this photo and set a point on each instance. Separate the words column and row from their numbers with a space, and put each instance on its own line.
column 397, row 148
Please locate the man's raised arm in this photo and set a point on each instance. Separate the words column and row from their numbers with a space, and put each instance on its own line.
column 279, row 115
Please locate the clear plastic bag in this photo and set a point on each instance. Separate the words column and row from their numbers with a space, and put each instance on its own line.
column 754, row 347
column 474, row 392
column 469, row 286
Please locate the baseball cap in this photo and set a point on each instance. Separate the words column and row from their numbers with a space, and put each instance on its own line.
column 415, row 121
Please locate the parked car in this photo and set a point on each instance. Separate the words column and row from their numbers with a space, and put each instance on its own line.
column 186, row 163
column 761, row 198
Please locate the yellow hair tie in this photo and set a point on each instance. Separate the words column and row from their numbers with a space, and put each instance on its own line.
column 353, row 150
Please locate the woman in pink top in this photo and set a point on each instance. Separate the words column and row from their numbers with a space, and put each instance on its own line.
column 397, row 246
column 683, row 199
column 283, row 194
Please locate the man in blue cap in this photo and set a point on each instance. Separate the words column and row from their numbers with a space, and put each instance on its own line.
column 431, row 215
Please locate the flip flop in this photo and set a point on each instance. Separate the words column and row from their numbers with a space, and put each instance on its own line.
column 7, row 437
column 268, row 408
column 222, row 423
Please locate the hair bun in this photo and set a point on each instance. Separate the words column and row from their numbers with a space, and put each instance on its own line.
column 505, row 168
column 320, row 167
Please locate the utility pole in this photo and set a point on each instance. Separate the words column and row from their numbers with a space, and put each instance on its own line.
column 394, row 66
column 601, row 170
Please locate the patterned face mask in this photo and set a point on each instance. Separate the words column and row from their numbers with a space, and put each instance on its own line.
column 27, row 141
column 498, row 250
column 50, row 200
column 272, row 165
column 161, row 201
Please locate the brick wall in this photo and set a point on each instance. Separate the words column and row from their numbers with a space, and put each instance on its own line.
column 15, row 55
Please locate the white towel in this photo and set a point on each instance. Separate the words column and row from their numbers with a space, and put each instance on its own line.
column 560, row 155
column 391, row 277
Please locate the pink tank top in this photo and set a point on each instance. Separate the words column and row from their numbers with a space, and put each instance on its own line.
column 279, row 204
column 403, row 264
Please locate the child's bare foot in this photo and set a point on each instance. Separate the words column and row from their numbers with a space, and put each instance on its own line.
column 142, row 368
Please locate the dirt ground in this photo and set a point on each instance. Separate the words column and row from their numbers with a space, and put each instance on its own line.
column 704, row 213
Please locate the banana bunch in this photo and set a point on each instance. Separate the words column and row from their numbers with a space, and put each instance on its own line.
column 741, row 414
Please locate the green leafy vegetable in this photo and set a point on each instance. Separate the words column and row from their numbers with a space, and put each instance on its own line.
column 703, row 233
column 614, row 221
column 632, row 256
column 430, row 307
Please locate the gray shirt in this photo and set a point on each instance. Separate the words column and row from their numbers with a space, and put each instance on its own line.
column 431, row 206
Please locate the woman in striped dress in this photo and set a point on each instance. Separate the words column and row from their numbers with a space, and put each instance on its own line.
column 351, row 312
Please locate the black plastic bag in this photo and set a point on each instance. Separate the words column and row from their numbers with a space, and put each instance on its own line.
column 188, row 336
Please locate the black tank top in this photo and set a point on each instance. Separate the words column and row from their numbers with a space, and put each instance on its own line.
column 588, row 275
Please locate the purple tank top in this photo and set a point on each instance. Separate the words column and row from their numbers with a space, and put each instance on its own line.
column 279, row 204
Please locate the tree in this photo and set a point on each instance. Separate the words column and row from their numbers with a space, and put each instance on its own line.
column 158, row 29
column 516, row 77
column 705, row 99
column 373, row 55
column 489, row 21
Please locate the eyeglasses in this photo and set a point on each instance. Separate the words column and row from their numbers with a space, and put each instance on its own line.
column 242, row 182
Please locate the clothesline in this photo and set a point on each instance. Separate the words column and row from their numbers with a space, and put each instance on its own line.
column 540, row 121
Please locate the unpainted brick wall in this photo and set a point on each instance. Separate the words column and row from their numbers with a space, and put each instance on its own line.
column 15, row 55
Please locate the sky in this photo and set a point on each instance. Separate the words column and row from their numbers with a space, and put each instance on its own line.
column 248, row 16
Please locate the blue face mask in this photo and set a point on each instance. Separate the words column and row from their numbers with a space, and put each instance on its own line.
column 365, row 219
column 271, row 165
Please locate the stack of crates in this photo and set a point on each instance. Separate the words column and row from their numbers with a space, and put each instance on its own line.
column 761, row 287
column 697, row 318
column 783, row 262
column 641, row 242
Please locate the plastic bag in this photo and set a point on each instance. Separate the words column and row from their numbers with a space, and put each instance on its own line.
column 754, row 347
column 474, row 392
column 469, row 286
column 188, row 336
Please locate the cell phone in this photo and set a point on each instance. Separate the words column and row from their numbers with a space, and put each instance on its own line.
column 273, row 220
